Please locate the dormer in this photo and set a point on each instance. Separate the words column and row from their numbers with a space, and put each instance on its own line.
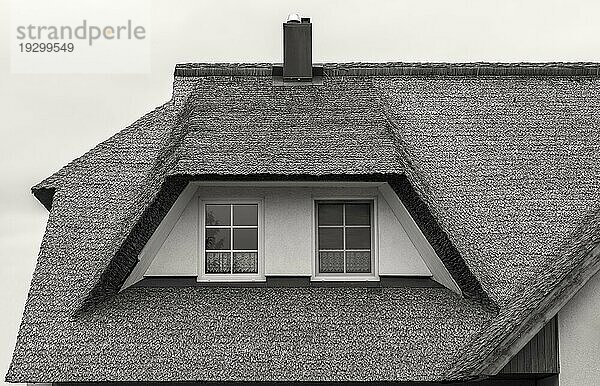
column 295, row 232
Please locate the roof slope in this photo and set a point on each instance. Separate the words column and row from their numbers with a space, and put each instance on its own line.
column 513, row 168
column 263, row 334
column 504, row 157
column 337, row 129
column 512, row 163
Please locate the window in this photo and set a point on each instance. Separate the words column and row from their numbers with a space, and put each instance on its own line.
column 344, row 238
column 231, row 241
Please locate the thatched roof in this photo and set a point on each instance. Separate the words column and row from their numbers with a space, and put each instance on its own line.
column 498, row 164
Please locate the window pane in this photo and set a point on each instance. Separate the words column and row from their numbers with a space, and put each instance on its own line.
column 218, row 238
column 331, row 262
column 245, row 215
column 358, row 214
column 245, row 262
column 358, row 262
column 358, row 238
column 331, row 238
column 245, row 238
column 330, row 214
column 218, row 262
column 218, row 215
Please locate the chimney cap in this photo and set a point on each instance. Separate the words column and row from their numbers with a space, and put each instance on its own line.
column 293, row 18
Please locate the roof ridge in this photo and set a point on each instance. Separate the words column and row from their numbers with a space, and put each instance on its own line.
column 402, row 69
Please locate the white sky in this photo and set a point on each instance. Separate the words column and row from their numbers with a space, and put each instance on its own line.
column 48, row 120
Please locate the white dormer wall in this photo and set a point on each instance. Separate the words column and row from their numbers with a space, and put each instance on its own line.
column 289, row 233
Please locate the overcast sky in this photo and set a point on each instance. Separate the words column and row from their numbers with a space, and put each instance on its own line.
column 48, row 120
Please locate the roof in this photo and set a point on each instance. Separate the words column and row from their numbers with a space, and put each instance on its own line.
column 338, row 129
column 210, row 333
column 497, row 163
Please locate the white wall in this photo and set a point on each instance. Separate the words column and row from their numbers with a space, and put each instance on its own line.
column 178, row 254
column 288, row 232
column 398, row 255
column 288, row 235
column 579, row 337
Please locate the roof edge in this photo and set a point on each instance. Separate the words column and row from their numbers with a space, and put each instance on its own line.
column 44, row 195
column 580, row 69
column 547, row 309
column 586, row 250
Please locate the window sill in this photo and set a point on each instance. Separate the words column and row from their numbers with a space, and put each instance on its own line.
column 344, row 278
column 231, row 279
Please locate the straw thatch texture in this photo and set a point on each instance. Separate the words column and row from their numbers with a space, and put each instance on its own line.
column 498, row 163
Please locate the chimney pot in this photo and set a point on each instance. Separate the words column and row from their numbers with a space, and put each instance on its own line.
column 297, row 48
column 293, row 18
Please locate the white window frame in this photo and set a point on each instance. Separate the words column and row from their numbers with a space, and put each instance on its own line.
column 371, row 276
column 231, row 277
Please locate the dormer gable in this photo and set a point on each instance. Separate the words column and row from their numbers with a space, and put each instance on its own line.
column 321, row 231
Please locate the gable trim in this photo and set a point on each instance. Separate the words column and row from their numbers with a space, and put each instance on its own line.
column 157, row 239
column 431, row 259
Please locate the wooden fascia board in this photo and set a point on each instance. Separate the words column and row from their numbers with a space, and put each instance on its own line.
column 431, row 259
column 148, row 253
